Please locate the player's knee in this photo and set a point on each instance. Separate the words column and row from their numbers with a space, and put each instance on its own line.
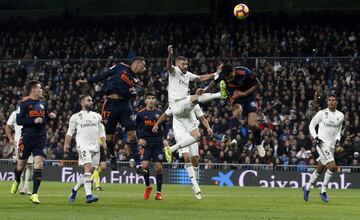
column 332, row 168
column 132, row 136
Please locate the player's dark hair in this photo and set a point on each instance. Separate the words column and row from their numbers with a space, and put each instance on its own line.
column 136, row 59
column 181, row 58
column 331, row 95
column 30, row 85
column 150, row 94
column 83, row 96
column 227, row 69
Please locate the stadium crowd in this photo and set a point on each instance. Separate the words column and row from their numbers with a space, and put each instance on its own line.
column 293, row 90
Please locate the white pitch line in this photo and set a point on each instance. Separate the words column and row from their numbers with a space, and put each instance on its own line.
column 182, row 195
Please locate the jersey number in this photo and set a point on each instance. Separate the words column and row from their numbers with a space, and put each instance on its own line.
column 84, row 153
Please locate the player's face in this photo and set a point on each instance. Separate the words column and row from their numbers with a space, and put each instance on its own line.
column 183, row 65
column 150, row 101
column 88, row 103
column 332, row 102
column 140, row 66
column 37, row 90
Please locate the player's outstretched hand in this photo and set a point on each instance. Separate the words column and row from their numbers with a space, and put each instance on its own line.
column 155, row 128
column 81, row 81
column 200, row 91
column 318, row 142
column 170, row 49
column 52, row 115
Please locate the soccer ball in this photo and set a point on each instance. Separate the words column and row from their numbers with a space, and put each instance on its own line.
column 241, row 11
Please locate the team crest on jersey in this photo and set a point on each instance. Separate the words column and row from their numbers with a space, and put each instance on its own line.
column 160, row 157
column 253, row 104
column 157, row 116
column 80, row 116
column 41, row 106
column 326, row 114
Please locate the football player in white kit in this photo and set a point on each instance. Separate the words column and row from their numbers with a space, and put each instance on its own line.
column 88, row 128
column 182, row 130
column 180, row 102
column 327, row 138
column 26, row 176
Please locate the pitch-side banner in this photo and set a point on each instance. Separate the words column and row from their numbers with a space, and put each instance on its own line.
column 227, row 178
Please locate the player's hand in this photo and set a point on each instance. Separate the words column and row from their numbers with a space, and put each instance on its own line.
column 170, row 49
column 12, row 141
column 142, row 142
column 155, row 128
column 38, row 120
column 52, row 115
column 318, row 142
column 200, row 91
column 132, row 90
column 66, row 148
column 81, row 81
column 337, row 144
column 166, row 143
column 238, row 94
column 210, row 131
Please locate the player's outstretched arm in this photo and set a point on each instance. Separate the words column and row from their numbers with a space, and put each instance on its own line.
column 97, row 78
column 169, row 65
column 163, row 117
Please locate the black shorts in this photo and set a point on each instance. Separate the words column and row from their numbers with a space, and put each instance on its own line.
column 118, row 111
column 153, row 151
column 102, row 154
column 248, row 104
column 32, row 144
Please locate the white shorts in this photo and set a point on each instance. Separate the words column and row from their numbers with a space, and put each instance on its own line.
column 193, row 150
column 326, row 154
column 86, row 156
column 182, row 107
column 184, row 126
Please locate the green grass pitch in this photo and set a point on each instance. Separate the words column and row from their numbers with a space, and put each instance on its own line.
column 120, row 201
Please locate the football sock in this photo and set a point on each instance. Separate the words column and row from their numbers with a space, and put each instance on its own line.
column 234, row 125
column 146, row 174
column 159, row 177
column 312, row 180
column 37, row 180
column 87, row 183
column 206, row 97
column 328, row 175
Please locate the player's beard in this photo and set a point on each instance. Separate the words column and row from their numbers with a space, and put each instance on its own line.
column 88, row 107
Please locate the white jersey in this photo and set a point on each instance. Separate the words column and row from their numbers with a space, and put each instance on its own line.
column 330, row 124
column 12, row 122
column 179, row 84
column 88, row 128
